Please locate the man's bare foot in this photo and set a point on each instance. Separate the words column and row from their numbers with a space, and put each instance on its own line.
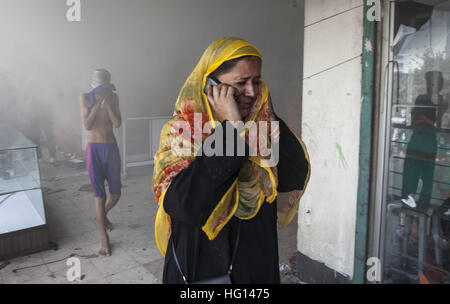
column 106, row 248
column 109, row 225
column 104, row 252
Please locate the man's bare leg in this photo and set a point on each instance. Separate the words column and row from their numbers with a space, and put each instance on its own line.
column 101, row 218
column 110, row 203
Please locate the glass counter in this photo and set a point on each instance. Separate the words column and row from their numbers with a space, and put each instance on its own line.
column 21, row 201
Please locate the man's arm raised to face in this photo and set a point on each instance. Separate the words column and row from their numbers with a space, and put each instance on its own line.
column 88, row 115
column 114, row 112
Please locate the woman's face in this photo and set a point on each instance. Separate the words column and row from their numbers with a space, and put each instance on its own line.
column 245, row 76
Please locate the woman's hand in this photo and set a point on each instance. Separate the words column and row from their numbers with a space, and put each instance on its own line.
column 221, row 98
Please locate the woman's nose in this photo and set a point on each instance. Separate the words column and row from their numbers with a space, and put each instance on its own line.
column 250, row 90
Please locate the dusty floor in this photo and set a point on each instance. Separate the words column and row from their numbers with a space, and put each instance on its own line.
column 71, row 218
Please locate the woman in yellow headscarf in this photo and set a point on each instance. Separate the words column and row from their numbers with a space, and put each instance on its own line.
column 218, row 211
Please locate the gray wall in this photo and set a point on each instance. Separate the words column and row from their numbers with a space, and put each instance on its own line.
column 149, row 46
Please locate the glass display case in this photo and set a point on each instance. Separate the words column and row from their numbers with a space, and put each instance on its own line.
column 23, row 228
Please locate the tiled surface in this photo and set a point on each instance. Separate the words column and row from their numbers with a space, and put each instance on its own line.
column 135, row 275
column 317, row 10
column 70, row 214
column 340, row 40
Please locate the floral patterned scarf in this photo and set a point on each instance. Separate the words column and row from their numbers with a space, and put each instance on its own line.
column 256, row 183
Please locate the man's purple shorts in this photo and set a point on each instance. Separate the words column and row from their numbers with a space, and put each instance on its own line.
column 103, row 162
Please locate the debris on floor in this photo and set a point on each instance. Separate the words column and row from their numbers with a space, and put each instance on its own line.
column 86, row 188
column 288, row 273
column 76, row 163
column 48, row 191
column 3, row 264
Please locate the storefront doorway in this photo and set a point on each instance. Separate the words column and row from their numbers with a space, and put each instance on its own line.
column 413, row 189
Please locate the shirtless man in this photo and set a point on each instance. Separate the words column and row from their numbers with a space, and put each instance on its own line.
column 100, row 112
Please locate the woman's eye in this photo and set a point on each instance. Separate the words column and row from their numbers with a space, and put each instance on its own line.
column 241, row 83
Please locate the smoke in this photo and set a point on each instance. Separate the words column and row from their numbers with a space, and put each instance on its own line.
column 149, row 46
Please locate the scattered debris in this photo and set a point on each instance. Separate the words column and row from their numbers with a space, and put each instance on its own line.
column 76, row 163
column 53, row 179
column 56, row 191
column 86, row 188
column 56, row 261
column 288, row 273
column 77, row 279
column 52, row 245
column 291, row 279
column 3, row 264
column 293, row 260
column 284, row 269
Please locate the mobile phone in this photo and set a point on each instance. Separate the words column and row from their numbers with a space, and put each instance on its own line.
column 210, row 82
column 213, row 82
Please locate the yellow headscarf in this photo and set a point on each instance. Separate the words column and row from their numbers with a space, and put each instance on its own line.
column 254, row 184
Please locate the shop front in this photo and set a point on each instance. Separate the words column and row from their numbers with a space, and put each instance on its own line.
column 410, row 214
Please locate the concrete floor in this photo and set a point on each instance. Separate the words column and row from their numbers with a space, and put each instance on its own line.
column 71, row 218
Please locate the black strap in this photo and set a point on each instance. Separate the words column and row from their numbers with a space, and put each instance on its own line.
column 232, row 258
column 235, row 248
